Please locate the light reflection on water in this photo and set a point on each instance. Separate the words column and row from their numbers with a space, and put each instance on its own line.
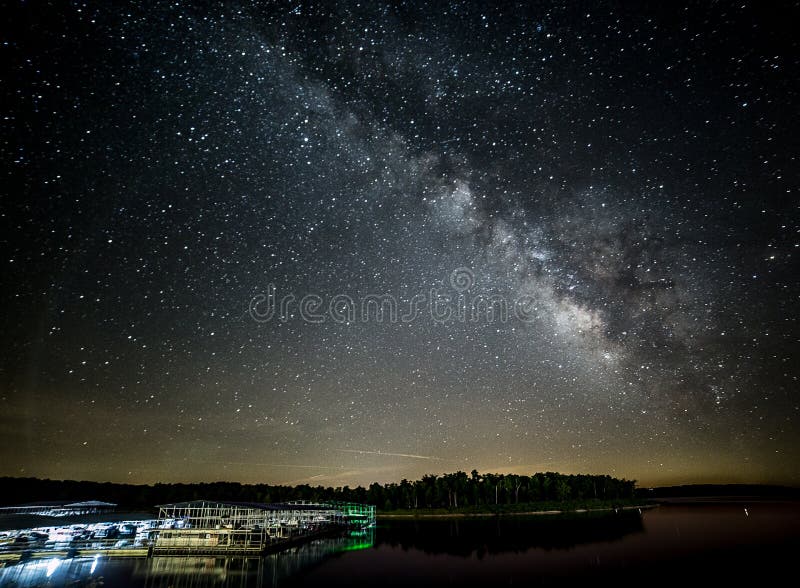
column 672, row 543
column 195, row 571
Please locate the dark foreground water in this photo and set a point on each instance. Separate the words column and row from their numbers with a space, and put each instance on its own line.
column 719, row 543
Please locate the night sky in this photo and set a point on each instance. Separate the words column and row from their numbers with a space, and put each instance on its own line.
column 618, row 183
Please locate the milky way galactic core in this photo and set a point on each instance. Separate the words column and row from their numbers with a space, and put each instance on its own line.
column 337, row 243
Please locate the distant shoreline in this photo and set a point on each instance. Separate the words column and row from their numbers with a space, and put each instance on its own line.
column 462, row 515
column 676, row 500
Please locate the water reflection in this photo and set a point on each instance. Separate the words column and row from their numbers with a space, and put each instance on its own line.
column 177, row 572
column 482, row 536
column 52, row 571
column 268, row 570
column 755, row 543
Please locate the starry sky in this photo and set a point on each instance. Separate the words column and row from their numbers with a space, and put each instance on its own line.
column 195, row 194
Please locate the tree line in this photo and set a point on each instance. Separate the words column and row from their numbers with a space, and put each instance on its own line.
column 449, row 491
column 461, row 490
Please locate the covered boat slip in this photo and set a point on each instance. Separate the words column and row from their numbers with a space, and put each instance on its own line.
column 202, row 526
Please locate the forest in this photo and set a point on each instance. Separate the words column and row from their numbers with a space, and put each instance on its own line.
column 454, row 491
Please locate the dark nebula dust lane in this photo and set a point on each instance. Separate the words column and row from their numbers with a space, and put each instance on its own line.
column 338, row 242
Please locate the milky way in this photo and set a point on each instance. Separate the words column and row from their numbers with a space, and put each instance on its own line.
column 593, row 212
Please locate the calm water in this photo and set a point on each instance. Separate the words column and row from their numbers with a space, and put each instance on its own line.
column 715, row 542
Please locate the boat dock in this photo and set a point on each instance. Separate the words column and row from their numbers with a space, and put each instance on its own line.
column 199, row 527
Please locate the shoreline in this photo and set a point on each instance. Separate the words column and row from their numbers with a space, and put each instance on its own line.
column 509, row 514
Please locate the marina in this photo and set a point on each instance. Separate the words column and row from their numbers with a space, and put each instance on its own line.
column 199, row 527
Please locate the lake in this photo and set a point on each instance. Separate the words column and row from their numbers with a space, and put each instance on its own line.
column 715, row 542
